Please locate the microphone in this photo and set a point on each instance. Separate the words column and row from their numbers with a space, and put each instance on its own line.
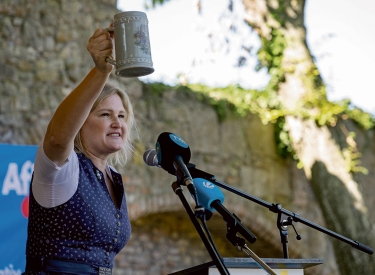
column 211, row 198
column 168, row 147
column 173, row 154
column 150, row 157
column 207, row 193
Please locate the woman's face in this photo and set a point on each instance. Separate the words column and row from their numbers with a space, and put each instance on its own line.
column 104, row 131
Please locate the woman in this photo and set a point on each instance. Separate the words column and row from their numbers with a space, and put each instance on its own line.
column 78, row 218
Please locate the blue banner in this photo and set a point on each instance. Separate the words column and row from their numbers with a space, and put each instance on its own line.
column 16, row 167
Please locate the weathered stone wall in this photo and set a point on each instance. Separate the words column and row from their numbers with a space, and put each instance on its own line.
column 43, row 56
column 239, row 152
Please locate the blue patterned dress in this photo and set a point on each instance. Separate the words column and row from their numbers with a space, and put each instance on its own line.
column 87, row 228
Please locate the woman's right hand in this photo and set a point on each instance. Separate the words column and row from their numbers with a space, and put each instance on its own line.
column 100, row 46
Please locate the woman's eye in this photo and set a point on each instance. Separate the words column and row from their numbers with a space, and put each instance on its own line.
column 121, row 116
column 105, row 114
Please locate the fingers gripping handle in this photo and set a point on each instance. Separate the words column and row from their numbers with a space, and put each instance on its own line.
column 109, row 59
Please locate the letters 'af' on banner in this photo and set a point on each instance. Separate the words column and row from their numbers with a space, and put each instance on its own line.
column 16, row 167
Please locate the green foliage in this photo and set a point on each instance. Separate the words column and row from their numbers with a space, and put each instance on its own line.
column 366, row 120
column 153, row 3
column 270, row 56
column 234, row 100
column 325, row 112
column 313, row 106
column 156, row 88
column 284, row 144
column 352, row 156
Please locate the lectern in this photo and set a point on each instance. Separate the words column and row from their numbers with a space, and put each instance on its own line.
column 248, row 266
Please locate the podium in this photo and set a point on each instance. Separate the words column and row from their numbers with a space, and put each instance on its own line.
column 242, row 266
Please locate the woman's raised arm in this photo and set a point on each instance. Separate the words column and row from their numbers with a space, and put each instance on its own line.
column 75, row 108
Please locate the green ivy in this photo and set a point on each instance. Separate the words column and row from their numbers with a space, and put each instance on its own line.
column 270, row 56
column 234, row 100
column 156, row 88
column 352, row 156
column 149, row 4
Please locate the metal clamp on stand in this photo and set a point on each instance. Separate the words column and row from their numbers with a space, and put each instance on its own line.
column 241, row 244
column 283, row 221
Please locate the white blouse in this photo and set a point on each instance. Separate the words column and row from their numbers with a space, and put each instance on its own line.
column 54, row 185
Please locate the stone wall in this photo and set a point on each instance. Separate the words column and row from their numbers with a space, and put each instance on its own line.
column 239, row 152
column 43, row 56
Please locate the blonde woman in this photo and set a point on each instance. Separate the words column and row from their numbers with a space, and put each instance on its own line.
column 78, row 219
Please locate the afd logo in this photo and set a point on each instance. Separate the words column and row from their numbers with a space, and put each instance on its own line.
column 10, row 271
column 208, row 184
column 18, row 181
column 178, row 140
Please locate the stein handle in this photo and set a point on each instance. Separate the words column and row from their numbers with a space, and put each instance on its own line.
column 109, row 59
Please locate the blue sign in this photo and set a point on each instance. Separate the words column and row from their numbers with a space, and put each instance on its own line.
column 16, row 167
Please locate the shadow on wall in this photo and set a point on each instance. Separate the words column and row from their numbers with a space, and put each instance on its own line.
column 343, row 217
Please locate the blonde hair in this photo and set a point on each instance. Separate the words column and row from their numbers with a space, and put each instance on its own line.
column 121, row 156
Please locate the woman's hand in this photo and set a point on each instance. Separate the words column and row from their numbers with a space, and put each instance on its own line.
column 100, row 46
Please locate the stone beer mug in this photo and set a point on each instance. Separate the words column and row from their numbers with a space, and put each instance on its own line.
column 132, row 45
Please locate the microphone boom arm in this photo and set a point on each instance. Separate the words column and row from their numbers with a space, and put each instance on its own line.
column 276, row 208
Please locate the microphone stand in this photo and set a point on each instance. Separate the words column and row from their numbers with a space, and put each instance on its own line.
column 211, row 249
column 285, row 217
column 234, row 225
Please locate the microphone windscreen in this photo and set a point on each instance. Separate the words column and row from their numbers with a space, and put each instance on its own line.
column 207, row 192
column 150, row 157
column 168, row 147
